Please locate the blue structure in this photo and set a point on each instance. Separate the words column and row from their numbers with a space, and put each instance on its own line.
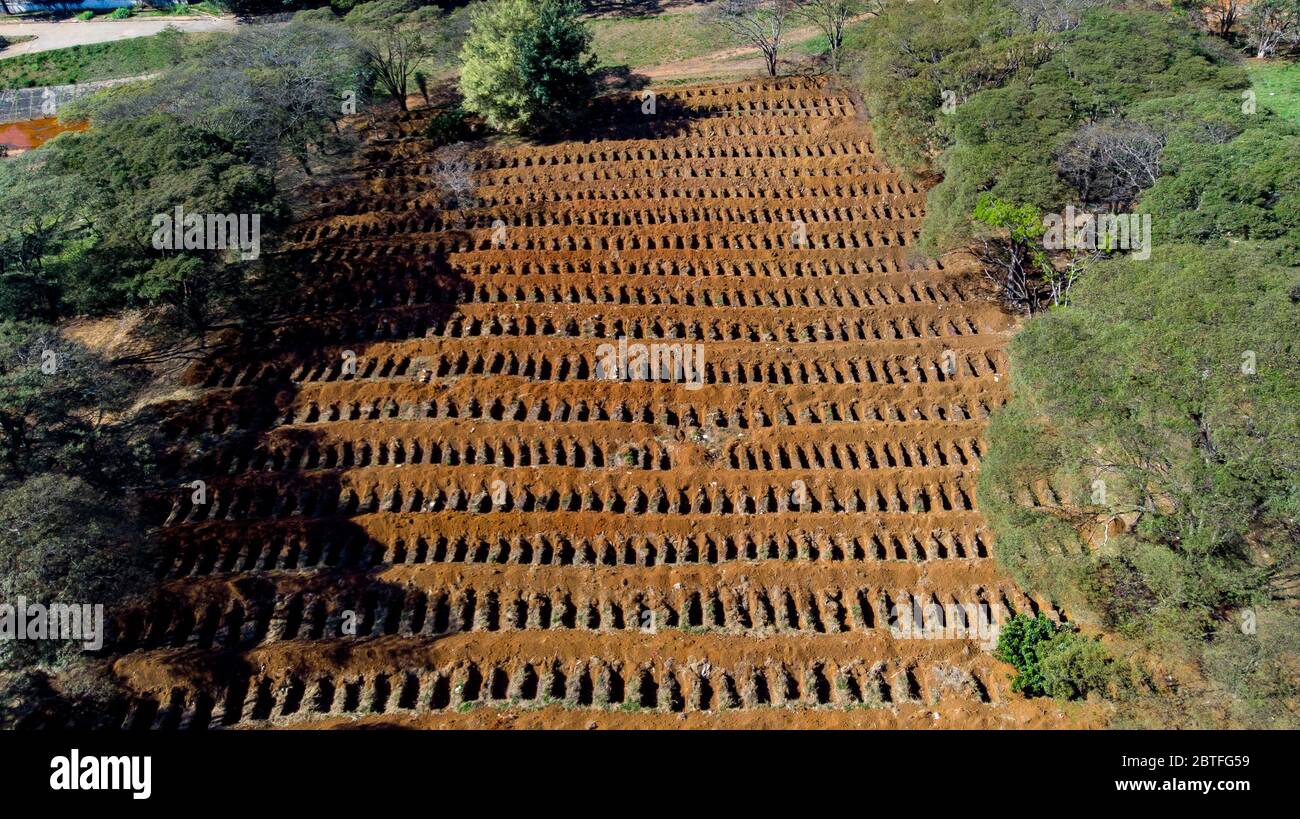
column 20, row 6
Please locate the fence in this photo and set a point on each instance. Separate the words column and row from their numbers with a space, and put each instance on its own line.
column 18, row 105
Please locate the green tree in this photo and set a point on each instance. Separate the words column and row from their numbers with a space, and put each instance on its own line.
column 1162, row 408
column 1012, row 252
column 991, row 100
column 67, row 541
column 38, row 232
column 556, row 64
column 56, row 400
column 525, row 65
column 129, row 172
column 490, row 78
column 917, row 63
column 271, row 92
column 1221, row 186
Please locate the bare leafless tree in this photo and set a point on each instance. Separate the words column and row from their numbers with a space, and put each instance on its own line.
column 1054, row 15
column 831, row 17
column 454, row 171
column 1027, row 278
column 1222, row 15
column 1110, row 162
column 757, row 22
column 1271, row 24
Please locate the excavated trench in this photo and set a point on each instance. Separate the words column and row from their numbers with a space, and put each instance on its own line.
column 423, row 503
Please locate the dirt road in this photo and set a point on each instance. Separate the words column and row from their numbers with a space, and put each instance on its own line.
column 67, row 33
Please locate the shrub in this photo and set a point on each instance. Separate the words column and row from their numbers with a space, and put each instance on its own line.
column 1071, row 665
column 447, row 126
column 1018, row 644
column 1050, row 660
column 85, row 15
column 120, row 13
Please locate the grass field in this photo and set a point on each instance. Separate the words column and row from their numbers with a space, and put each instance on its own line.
column 680, row 35
column 654, row 39
column 102, row 61
column 1277, row 84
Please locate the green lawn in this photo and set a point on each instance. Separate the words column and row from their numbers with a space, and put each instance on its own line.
column 206, row 7
column 653, row 39
column 102, row 61
column 1277, row 86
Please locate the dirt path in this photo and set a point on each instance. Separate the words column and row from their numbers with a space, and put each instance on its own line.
column 68, row 33
column 719, row 63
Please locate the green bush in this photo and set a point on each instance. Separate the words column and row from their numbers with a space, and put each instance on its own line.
column 85, row 15
column 1050, row 660
column 120, row 13
column 1018, row 643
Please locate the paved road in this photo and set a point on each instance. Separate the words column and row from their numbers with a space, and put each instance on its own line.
column 75, row 32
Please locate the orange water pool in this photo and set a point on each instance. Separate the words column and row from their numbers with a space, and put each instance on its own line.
column 21, row 136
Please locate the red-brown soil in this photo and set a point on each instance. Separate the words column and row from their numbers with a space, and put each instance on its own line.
column 23, row 136
column 519, row 543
